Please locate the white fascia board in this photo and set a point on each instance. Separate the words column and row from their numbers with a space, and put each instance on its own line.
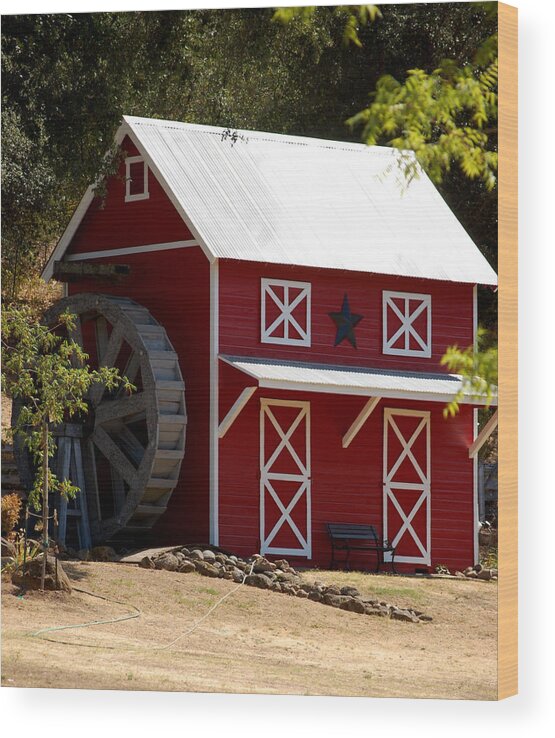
column 129, row 250
column 364, row 392
column 68, row 234
column 126, row 129
column 79, row 213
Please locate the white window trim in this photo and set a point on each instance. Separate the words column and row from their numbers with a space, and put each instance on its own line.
column 406, row 323
column 144, row 195
column 286, row 310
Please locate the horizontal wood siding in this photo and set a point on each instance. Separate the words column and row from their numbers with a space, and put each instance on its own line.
column 174, row 286
column 240, row 315
column 113, row 223
column 346, row 483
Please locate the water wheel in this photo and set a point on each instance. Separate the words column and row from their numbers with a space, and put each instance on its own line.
column 127, row 450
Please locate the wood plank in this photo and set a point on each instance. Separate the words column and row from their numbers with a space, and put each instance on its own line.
column 163, row 453
column 235, row 410
column 108, row 358
column 69, row 271
column 82, row 502
column 114, row 455
column 507, row 634
column 359, row 421
column 91, row 481
column 483, row 435
column 118, row 489
column 64, row 462
column 122, row 408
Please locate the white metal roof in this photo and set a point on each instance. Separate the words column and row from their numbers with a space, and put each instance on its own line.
column 308, row 377
column 303, row 201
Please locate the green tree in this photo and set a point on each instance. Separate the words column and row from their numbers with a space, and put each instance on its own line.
column 68, row 79
column 447, row 115
column 46, row 369
column 478, row 369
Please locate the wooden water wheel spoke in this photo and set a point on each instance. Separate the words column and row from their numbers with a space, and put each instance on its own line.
column 101, row 330
column 126, row 407
column 132, row 445
column 91, row 482
column 131, row 368
column 114, row 455
column 110, row 349
column 76, row 335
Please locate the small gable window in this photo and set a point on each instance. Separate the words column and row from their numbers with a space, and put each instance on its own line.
column 285, row 312
column 136, row 179
column 407, row 324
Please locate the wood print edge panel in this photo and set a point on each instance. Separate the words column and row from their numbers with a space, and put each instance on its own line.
column 507, row 644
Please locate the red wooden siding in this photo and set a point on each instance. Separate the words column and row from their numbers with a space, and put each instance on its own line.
column 175, row 287
column 240, row 315
column 113, row 223
column 347, row 484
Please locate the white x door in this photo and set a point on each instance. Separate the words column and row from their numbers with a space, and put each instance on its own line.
column 285, row 526
column 406, row 485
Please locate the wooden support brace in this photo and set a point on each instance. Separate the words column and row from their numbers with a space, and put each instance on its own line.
column 235, row 409
column 361, row 418
column 69, row 271
column 483, row 435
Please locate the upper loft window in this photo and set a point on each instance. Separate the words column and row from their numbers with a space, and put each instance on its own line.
column 285, row 312
column 136, row 179
column 407, row 324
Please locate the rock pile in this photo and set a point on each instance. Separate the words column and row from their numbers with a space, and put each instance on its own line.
column 277, row 576
column 477, row 572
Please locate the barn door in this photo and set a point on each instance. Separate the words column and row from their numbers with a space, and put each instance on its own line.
column 285, row 478
column 406, row 485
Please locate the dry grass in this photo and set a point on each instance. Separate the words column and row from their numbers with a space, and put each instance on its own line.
column 256, row 641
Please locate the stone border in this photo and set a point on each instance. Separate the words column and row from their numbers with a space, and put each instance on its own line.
column 276, row 576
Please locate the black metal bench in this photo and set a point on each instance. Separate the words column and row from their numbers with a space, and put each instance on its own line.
column 354, row 537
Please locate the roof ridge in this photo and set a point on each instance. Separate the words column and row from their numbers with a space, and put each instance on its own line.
column 268, row 137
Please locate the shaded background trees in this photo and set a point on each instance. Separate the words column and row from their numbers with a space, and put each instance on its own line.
column 67, row 80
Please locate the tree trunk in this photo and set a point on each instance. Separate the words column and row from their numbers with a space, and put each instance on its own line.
column 44, row 502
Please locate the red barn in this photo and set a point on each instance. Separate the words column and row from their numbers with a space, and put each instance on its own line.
column 295, row 295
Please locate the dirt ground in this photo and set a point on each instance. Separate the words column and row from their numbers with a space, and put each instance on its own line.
column 256, row 641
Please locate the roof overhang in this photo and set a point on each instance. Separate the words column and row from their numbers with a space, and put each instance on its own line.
column 345, row 380
column 258, row 200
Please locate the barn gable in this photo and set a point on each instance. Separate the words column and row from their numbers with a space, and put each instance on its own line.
column 119, row 221
column 262, row 197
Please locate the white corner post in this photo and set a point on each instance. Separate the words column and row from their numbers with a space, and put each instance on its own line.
column 214, row 402
column 475, row 501
column 360, row 420
column 475, row 469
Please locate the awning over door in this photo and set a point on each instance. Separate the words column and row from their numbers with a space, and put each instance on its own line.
column 309, row 377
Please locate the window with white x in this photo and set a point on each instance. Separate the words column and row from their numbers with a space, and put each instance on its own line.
column 407, row 324
column 406, row 485
column 285, row 312
column 285, row 526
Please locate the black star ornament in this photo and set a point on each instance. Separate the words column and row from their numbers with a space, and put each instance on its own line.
column 346, row 321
